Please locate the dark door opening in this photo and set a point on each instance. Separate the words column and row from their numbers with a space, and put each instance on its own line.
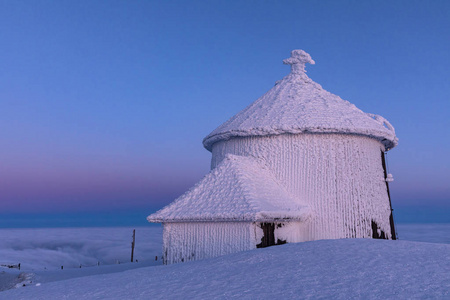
column 268, row 238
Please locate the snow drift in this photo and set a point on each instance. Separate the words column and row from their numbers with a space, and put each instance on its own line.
column 338, row 269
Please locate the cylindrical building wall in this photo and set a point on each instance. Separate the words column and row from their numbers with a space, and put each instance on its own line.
column 339, row 176
column 200, row 240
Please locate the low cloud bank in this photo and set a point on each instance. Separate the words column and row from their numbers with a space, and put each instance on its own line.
column 51, row 248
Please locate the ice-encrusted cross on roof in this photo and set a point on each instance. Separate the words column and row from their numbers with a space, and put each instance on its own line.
column 298, row 60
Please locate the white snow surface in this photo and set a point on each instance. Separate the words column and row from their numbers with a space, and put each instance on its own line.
column 238, row 189
column 296, row 104
column 149, row 238
column 324, row 269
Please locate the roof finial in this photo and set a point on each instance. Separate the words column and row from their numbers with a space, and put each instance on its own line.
column 298, row 60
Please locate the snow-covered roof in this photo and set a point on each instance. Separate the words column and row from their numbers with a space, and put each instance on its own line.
column 296, row 104
column 238, row 189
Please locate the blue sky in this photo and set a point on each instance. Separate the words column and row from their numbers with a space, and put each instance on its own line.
column 104, row 104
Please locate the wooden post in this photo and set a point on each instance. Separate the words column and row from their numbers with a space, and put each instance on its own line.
column 132, row 245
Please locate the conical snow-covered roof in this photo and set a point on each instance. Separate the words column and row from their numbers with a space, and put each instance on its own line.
column 238, row 189
column 296, row 104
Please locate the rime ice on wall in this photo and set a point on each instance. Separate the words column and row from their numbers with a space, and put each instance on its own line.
column 199, row 240
column 185, row 241
column 298, row 164
column 339, row 176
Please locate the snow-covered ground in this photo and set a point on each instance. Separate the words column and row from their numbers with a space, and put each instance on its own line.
column 353, row 268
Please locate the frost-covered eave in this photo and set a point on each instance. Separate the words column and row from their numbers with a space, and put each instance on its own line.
column 263, row 216
column 387, row 138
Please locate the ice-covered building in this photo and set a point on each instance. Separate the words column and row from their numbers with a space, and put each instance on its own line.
column 298, row 164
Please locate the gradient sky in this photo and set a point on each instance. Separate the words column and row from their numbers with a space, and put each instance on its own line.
column 104, row 104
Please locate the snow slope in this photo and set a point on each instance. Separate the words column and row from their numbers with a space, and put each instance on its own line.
column 338, row 269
